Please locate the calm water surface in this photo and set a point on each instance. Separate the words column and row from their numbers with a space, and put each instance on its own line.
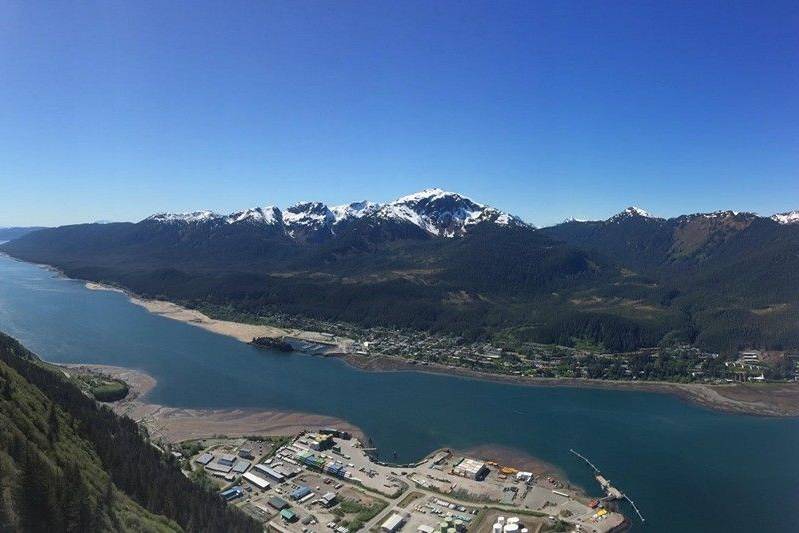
column 687, row 467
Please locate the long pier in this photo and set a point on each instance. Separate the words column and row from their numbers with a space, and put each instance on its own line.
column 612, row 492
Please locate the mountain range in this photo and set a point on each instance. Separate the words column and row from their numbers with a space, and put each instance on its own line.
column 432, row 212
column 440, row 261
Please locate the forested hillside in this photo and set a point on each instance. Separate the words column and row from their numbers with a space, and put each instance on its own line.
column 721, row 281
column 8, row 234
column 67, row 464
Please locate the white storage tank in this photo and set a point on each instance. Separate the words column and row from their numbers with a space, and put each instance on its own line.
column 511, row 528
column 513, row 520
column 496, row 528
column 501, row 519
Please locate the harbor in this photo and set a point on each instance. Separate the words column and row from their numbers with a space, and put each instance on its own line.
column 612, row 493
column 327, row 477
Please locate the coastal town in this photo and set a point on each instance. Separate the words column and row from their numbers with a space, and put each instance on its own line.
column 328, row 480
column 678, row 363
column 299, row 477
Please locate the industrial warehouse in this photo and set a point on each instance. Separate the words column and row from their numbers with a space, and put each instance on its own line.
column 327, row 481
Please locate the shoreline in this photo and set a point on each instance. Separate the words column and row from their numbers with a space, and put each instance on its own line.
column 238, row 330
column 767, row 399
column 176, row 424
column 706, row 395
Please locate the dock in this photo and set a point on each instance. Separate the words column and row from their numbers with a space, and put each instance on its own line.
column 612, row 492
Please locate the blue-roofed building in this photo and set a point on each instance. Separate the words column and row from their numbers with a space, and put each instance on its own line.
column 232, row 493
column 300, row 492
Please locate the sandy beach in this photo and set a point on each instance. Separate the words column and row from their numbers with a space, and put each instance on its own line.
column 237, row 330
column 765, row 399
column 174, row 424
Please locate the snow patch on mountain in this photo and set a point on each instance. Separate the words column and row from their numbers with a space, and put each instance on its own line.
column 446, row 214
column 186, row 218
column 354, row 210
column 790, row 217
column 630, row 212
column 269, row 215
column 437, row 212
column 307, row 216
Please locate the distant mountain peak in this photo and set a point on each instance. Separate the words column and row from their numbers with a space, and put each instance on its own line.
column 447, row 214
column 354, row 210
column 307, row 218
column 789, row 217
column 631, row 212
column 256, row 215
column 425, row 194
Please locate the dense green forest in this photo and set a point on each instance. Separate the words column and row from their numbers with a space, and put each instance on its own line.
column 69, row 464
column 722, row 282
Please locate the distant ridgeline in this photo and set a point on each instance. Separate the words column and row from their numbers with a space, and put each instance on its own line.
column 67, row 464
column 9, row 234
column 440, row 262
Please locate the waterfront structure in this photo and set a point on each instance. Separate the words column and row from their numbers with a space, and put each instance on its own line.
column 320, row 442
column 470, row 468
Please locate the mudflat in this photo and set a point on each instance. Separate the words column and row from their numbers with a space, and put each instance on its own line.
column 174, row 424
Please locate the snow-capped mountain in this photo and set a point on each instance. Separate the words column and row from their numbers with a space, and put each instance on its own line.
column 438, row 213
column 185, row 218
column 723, row 214
column 791, row 217
column 270, row 215
column 630, row 212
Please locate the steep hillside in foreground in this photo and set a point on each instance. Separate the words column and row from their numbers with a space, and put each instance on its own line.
column 68, row 465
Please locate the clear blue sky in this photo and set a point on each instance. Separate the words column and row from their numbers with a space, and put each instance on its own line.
column 115, row 110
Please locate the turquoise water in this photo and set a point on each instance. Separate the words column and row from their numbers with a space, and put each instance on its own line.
column 688, row 468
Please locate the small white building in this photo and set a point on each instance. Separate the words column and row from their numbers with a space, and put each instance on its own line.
column 470, row 468
column 750, row 357
column 394, row 523
column 255, row 480
column 524, row 476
